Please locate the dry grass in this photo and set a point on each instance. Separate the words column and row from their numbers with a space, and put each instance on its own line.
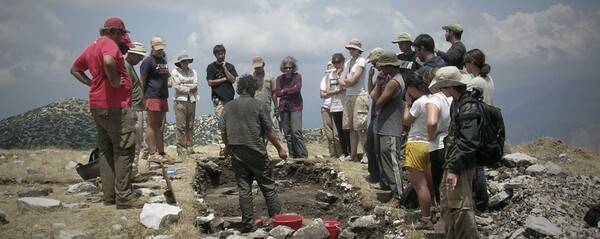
column 583, row 161
column 45, row 168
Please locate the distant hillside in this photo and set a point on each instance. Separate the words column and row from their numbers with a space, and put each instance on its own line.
column 68, row 123
column 64, row 123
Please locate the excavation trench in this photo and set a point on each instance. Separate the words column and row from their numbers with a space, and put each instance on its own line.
column 310, row 188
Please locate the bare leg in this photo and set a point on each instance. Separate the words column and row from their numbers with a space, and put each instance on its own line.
column 353, row 143
column 419, row 182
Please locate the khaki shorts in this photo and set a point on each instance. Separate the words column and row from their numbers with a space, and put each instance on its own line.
column 356, row 111
column 417, row 155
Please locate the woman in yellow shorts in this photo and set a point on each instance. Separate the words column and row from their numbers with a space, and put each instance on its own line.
column 417, row 148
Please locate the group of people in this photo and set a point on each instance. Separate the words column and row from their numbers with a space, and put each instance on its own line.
column 416, row 126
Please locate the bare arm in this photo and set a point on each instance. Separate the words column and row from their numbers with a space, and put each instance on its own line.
column 433, row 114
column 370, row 82
column 224, row 138
column 110, row 68
column 228, row 76
column 354, row 78
column 392, row 89
column 80, row 76
column 272, row 137
column 409, row 119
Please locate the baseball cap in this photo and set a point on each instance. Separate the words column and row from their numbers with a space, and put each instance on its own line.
column 115, row 22
column 157, row 43
column 455, row 27
column 257, row 61
column 127, row 41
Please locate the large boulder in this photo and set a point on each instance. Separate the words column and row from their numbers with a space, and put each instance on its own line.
column 155, row 215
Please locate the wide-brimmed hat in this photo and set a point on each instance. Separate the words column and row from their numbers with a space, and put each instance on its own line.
column 157, row 43
column 388, row 58
column 330, row 67
column 115, row 22
column 257, row 61
column 403, row 36
column 138, row 48
column 183, row 57
column 354, row 44
column 449, row 76
column 374, row 54
column 455, row 27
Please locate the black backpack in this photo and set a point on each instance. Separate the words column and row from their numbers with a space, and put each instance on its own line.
column 492, row 133
column 592, row 216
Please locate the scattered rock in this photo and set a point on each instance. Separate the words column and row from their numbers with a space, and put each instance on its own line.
column 543, row 226
column 154, row 215
column 313, row 231
column 281, row 232
column 484, row 221
column 116, row 227
column 202, row 220
column 145, row 192
column 59, row 225
column 37, row 203
column 364, row 222
column 326, row 197
column 163, row 237
column 70, row 234
column 518, row 159
column 552, row 168
column 83, row 187
column 498, row 198
column 32, row 192
column 260, row 233
column 535, row 169
column 157, row 199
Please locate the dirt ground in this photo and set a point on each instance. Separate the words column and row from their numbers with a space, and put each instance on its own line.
column 45, row 168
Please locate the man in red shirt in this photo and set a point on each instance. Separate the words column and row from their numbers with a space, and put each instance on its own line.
column 110, row 104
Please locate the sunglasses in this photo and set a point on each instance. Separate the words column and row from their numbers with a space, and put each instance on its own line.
column 288, row 68
column 336, row 62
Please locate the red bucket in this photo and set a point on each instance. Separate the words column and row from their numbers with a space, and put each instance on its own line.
column 291, row 220
column 334, row 229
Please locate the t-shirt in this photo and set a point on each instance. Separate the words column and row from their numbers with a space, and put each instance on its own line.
column 418, row 130
column 407, row 62
column 137, row 95
column 223, row 91
column 443, row 103
column 266, row 88
column 337, row 100
column 326, row 101
column 360, row 86
column 487, row 85
column 157, row 74
column 245, row 121
column 102, row 94
column 433, row 62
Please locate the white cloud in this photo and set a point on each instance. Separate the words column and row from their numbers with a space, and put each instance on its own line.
column 555, row 34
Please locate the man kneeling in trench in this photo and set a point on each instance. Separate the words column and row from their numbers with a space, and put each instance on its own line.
column 244, row 124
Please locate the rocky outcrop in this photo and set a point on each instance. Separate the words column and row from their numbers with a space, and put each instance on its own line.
column 68, row 123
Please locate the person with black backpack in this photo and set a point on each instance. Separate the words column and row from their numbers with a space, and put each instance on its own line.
column 462, row 143
column 483, row 89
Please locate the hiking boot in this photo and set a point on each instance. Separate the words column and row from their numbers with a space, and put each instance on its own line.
column 109, row 202
column 138, row 178
column 248, row 227
column 424, row 225
column 135, row 202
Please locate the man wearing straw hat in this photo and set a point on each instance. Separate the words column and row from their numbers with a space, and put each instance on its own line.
column 134, row 56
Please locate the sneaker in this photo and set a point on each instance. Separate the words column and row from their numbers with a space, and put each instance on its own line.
column 135, row 202
column 424, row 224
column 344, row 158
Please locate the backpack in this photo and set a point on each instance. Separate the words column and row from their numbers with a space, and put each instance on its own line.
column 592, row 216
column 492, row 133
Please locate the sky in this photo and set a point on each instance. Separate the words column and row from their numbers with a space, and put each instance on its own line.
column 543, row 54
